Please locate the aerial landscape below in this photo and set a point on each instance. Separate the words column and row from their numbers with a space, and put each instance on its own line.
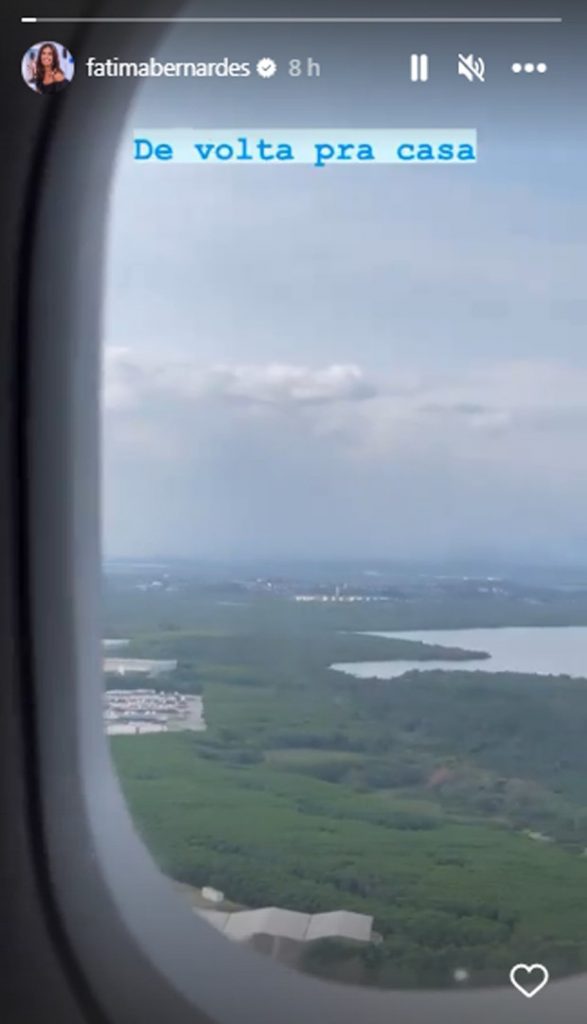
column 398, row 748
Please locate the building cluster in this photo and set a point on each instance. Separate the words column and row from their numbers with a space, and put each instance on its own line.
column 142, row 710
column 137, row 710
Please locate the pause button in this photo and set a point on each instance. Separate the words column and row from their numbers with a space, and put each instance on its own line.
column 419, row 67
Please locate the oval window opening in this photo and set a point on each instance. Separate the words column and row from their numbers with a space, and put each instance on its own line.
column 345, row 608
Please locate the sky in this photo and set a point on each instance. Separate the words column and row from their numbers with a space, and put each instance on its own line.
column 379, row 363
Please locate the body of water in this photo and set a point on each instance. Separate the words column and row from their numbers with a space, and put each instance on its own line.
column 540, row 650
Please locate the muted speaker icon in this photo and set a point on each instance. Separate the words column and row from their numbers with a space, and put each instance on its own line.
column 472, row 67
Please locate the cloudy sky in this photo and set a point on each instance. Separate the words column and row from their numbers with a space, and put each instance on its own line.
column 368, row 362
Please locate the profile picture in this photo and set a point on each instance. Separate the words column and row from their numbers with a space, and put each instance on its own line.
column 47, row 68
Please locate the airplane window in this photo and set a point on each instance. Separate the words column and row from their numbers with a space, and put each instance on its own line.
column 345, row 573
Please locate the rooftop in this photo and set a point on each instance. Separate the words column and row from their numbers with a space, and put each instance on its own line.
column 291, row 924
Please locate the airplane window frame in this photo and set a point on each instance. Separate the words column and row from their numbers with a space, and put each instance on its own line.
column 97, row 870
column 137, row 950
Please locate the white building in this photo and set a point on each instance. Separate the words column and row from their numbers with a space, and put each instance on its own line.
column 141, row 666
column 213, row 895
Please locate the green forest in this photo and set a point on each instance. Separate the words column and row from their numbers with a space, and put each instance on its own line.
column 451, row 806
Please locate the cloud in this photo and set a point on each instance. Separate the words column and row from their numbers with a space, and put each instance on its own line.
column 131, row 380
column 280, row 458
column 368, row 414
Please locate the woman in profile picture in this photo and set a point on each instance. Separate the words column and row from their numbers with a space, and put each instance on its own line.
column 46, row 74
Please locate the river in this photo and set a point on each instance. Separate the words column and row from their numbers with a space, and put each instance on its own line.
column 540, row 650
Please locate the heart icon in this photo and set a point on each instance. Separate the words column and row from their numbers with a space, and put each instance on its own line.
column 529, row 979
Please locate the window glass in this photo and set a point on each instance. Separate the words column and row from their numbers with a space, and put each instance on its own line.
column 345, row 576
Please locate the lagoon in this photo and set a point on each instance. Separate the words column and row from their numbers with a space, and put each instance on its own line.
column 536, row 650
